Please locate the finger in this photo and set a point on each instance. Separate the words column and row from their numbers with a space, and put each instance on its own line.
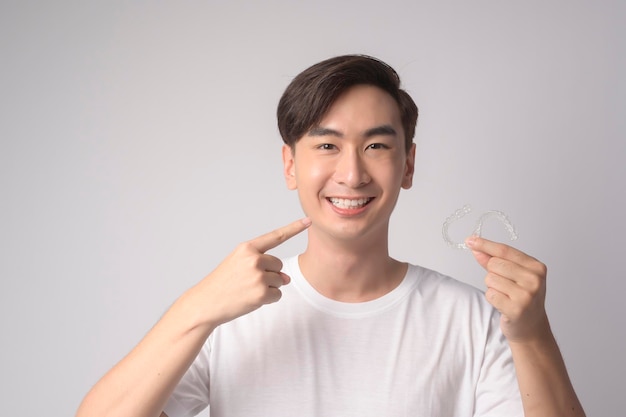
column 273, row 295
column 500, row 250
column 272, row 264
column 524, row 277
column 277, row 279
column 286, row 278
column 510, row 299
column 274, row 279
column 482, row 258
column 269, row 263
column 501, row 284
column 506, row 269
column 274, row 238
column 500, row 301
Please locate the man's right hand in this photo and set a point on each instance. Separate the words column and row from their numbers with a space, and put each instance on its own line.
column 141, row 383
column 247, row 279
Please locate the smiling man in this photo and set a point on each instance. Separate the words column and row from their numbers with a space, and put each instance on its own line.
column 356, row 332
column 348, row 170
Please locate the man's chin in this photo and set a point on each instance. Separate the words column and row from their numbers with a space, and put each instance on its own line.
column 350, row 231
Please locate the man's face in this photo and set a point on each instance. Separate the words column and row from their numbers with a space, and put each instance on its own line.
column 349, row 169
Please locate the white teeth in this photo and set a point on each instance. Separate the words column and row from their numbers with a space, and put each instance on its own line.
column 346, row 203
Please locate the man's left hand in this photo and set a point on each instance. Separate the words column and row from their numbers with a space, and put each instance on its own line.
column 516, row 286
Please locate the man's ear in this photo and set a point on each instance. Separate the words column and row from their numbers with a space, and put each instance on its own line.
column 409, row 168
column 289, row 167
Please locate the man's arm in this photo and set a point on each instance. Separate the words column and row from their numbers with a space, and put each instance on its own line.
column 516, row 286
column 544, row 383
column 141, row 383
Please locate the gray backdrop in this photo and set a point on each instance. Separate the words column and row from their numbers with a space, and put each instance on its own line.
column 138, row 147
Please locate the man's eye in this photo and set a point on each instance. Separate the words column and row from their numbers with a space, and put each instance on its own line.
column 326, row 146
column 378, row 146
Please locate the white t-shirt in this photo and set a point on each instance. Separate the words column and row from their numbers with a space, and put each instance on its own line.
column 431, row 347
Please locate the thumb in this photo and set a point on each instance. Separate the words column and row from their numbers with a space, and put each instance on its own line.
column 481, row 257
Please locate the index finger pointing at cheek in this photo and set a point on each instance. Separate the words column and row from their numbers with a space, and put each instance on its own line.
column 274, row 238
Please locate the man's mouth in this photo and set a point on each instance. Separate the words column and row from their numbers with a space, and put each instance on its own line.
column 349, row 203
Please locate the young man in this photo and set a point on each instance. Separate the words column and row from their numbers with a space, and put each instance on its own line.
column 357, row 332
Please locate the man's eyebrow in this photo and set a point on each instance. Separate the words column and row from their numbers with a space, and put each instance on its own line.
column 324, row 131
column 381, row 130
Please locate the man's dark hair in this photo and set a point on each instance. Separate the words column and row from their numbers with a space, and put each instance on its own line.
column 311, row 94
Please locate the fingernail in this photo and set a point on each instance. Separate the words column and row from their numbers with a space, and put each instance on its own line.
column 306, row 221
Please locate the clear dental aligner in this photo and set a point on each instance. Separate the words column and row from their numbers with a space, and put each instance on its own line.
column 478, row 227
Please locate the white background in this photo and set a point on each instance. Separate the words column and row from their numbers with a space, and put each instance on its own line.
column 139, row 146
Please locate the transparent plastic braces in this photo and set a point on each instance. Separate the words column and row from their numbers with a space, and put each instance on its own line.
column 478, row 227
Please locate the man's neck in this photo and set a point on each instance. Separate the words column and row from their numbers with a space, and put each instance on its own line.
column 350, row 271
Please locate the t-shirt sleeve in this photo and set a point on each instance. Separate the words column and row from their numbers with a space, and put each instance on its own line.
column 497, row 392
column 191, row 395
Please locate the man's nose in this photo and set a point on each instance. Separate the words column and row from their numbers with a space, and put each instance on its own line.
column 351, row 169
